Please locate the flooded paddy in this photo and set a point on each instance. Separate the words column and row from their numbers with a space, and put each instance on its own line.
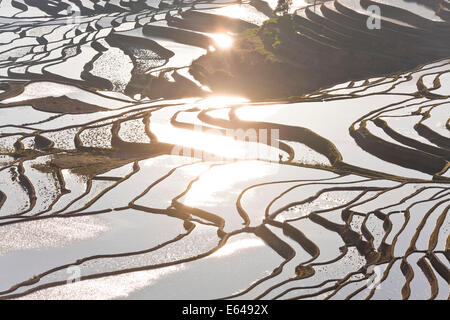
column 120, row 167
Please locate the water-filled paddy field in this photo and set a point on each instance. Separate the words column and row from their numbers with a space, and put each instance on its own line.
column 120, row 170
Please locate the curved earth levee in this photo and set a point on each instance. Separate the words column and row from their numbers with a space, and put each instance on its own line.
column 319, row 171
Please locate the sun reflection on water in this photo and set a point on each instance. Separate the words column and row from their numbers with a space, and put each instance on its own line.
column 237, row 245
column 225, row 178
column 211, row 141
column 222, row 40
column 220, row 101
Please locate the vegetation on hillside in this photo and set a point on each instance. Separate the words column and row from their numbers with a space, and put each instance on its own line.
column 288, row 57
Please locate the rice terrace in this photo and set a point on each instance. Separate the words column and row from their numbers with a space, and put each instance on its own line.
column 225, row 149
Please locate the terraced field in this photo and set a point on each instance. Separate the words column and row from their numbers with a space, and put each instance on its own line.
column 125, row 177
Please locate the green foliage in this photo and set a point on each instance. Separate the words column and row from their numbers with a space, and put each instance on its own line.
column 283, row 7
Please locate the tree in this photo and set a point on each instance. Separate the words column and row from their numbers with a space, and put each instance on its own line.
column 283, row 7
